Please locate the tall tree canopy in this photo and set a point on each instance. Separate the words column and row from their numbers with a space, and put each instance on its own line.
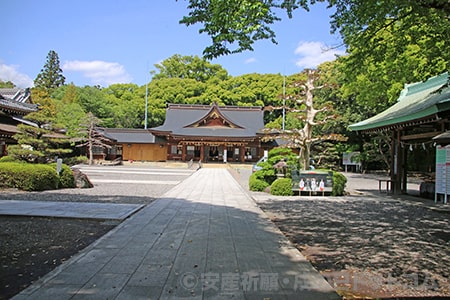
column 189, row 67
column 234, row 25
column 51, row 76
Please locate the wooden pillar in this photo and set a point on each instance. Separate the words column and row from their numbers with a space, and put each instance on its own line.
column 242, row 154
column 202, row 153
column 404, row 189
column 397, row 163
column 183, row 152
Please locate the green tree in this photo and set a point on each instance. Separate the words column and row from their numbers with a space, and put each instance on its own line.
column 305, row 116
column 37, row 145
column 6, row 84
column 93, row 99
column 128, row 102
column 70, row 94
column 189, row 67
column 398, row 56
column 234, row 26
column 51, row 76
column 46, row 114
column 94, row 139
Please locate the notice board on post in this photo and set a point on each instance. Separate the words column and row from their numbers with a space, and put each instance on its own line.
column 312, row 181
column 351, row 159
column 442, row 172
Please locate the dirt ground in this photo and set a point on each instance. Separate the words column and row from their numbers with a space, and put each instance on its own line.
column 30, row 247
column 367, row 247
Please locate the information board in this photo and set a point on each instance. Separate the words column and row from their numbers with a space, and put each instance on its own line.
column 351, row 159
column 312, row 181
column 442, row 171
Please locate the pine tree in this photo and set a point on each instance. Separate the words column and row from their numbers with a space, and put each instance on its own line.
column 51, row 75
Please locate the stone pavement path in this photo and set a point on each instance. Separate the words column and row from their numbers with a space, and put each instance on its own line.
column 82, row 210
column 204, row 239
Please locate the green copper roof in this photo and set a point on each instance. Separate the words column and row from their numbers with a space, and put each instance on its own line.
column 417, row 101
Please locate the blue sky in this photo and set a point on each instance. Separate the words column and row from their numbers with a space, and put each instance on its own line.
column 117, row 41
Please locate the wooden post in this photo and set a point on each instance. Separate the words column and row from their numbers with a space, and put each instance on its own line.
column 202, row 152
column 397, row 163
column 183, row 152
column 404, row 189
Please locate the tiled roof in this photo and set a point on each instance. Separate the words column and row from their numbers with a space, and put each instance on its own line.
column 15, row 94
column 238, row 122
column 417, row 101
column 16, row 101
column 129, row 136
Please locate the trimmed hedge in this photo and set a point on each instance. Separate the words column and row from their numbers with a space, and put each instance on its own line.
column 282, row 187
column 34, row 177
column 339, row 182
column 66, row 179
column 255, row 184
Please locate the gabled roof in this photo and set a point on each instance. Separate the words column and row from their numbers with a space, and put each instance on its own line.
column 17, row 95
column 211, row 121
column 214, row 118
column 16, row 101
column 129, row 136
column 418, row 103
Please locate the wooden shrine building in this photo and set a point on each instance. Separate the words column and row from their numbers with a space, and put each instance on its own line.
column 420, row 116
column 14, row 105
column 131, row 144
column 213, row 133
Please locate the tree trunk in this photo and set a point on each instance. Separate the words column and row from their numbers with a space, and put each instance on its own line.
column 306, row 155
column 310, row 115
column 91, row 154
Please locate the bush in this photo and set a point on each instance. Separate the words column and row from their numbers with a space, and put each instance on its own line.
column 267, row 173
column 28, row 177
column 339, row 182
column 7, row 159
column 282, row 187
column 280, row 153
column 256, row 184
column 66, row 179
column 75, row 160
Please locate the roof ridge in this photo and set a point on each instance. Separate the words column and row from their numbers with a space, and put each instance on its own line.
column 206, row 106
column 432, row 82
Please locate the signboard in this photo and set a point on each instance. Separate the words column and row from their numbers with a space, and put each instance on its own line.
column 312, row 182
column 442, row 172
column 351, row 159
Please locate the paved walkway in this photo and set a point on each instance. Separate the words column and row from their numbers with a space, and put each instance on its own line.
column 204, row 239
column 80, row 210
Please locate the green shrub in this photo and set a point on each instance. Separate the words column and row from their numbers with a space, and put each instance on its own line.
column 256, row 184
column 75, row 160
column 66, row 179
column 282, row 187
column 7, row 159
column 267, row 173
column 280, row 153
column 339, row 182
column 28, row 177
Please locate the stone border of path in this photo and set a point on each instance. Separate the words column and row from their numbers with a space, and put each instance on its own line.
column 80, row 210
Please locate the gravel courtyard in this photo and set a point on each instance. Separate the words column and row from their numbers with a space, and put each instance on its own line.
column 367, row 244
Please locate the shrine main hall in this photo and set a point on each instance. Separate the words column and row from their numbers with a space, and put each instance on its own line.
column 212, row 133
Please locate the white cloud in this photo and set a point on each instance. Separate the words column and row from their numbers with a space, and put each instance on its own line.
column 99, row 72
column 313, row 54
column 250, row 60
column 10, row 73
